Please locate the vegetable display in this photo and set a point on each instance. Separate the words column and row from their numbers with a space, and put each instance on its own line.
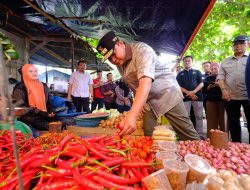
column 236, row 158
column 79, row 163
column 113, row 122
column 9, row 48
column 112, row 112
column 228, row 180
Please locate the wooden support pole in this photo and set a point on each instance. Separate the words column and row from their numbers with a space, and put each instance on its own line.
column 71, row 32
column 44, row 60
column 27, row 50
column 39, row 46
column 51, row 39
column 46, row 74
column 53, row 54
column 73, row 56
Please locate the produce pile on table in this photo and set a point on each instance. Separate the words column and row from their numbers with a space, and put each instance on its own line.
column 112, row 112
column 228, row 180
column 236, row 158
column 6, row 149
column 51, row 139
column 93, row 163
column 113, row 122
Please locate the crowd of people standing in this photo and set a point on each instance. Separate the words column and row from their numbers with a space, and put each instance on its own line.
column 222, row 89
column 96, row 93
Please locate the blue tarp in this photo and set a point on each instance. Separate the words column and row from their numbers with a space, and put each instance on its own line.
column 166, row 25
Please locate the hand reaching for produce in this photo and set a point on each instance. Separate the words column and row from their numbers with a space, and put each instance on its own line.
column 127, row 125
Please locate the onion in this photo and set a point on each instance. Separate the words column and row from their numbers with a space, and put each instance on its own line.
column 227, row 154
column 234, row 159
column 240, row 171
column 228, row 165
column 237, row 157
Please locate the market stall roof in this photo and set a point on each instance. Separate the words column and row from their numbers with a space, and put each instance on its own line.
column 168, row 26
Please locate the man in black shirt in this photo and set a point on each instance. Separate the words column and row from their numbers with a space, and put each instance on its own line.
column 190, row 81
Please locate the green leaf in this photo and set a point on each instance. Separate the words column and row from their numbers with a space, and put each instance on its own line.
column 214, row 40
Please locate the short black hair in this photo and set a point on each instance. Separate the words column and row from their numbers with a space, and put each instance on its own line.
column 206, row 62
column 98, row 71
column 81, row 61
column 109, row 74
column 187, row 56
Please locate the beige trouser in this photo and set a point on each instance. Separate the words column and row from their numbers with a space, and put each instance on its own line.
column 178, row 119
column 215, row 116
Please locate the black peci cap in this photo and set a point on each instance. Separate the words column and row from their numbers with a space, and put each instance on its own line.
column 241, row 38
column 106, row 45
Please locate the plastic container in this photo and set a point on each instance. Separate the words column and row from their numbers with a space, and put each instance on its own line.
column 177, row 173
column 160, row 127
column 167, row 146
column 157, row 181
column 198, row 168
column 162, row 156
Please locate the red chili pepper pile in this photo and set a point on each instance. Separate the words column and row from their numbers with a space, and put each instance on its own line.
column 95, row 163
column 51, row 138
column 7, row 160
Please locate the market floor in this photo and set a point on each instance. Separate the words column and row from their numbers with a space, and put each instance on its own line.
column 243, row 130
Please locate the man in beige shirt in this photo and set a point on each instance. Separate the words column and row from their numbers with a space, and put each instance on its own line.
column 231, row 78
column 152, row 82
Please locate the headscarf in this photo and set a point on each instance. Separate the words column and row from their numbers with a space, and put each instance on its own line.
column 35, row 90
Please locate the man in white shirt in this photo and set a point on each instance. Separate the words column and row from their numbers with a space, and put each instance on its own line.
column 80, row 88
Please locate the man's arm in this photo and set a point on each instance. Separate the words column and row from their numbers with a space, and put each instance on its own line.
column 179, row 80
column 199, row 82
column 105, row 91
column 69, row 91
column 184, row 90
column 175, row 66
column 98, row 84
column 247, row 76
column 129, row 123
column 225, row 93
column 91, row 91
column 198, row 88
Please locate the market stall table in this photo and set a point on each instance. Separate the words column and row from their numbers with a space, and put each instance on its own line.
column 95, row 131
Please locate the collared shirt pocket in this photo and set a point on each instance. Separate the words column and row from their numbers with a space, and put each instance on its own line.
column 243, row 66
column 229, row 68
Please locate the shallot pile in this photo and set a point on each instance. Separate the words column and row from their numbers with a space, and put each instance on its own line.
column 236, row 158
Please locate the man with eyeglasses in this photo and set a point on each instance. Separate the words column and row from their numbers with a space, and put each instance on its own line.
column 155, row 87
column 231, row 78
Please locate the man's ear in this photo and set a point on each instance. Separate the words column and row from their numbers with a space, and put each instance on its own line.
column 120, row 43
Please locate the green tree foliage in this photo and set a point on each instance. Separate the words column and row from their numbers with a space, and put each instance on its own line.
column 228, row 19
